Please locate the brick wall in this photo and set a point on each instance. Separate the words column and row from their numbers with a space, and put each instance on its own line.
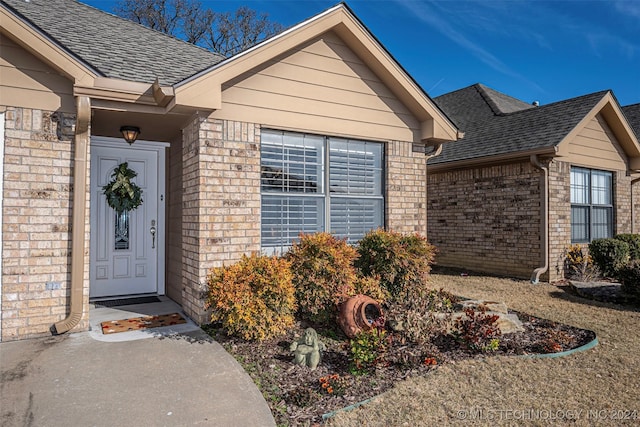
column 221, row 201
column 406, row 188
column 559, row 216
column 560, row 212
column 38, row 191
column 487, row 219
column 622, row 203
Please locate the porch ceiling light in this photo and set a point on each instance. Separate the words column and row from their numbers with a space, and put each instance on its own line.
column 130, row 133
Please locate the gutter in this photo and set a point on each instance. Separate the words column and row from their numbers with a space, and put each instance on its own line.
column 505, row 157
column 535, row 276
column 81, row 142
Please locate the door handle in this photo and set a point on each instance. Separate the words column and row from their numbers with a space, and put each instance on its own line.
column 152, row 230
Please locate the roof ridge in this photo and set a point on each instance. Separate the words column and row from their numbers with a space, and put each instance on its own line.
column 516, row 103
column 487, row 98
column 562, row 101
column 457, row 90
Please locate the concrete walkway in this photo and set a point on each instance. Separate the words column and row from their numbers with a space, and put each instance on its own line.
column 161, row 378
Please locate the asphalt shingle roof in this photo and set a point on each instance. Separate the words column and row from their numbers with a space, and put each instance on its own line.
column 113, row 46
column 496, row 124
column 632, row 113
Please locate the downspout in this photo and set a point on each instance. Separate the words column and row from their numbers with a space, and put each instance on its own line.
column 437, row 150
column 535, row 276
column 81, row 142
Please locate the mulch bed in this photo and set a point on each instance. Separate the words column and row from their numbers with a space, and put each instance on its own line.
column 296, row 397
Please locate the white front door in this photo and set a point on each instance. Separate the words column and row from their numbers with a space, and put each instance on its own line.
column 126, row 250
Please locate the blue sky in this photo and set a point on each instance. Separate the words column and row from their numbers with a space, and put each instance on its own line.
column 532, row 50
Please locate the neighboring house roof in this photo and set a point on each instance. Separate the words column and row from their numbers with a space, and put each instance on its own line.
column 632, row 113
column 496, row 124
column 113, row 46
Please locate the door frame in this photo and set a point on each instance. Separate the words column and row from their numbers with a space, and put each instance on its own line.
column 160, row 148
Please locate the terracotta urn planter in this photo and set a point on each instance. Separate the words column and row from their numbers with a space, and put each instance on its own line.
column 358, row 314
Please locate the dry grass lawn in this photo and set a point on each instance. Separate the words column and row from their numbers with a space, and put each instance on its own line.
column 595, row 387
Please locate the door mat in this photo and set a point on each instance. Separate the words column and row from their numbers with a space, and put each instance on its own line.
column 138, row 323
column 126, row 301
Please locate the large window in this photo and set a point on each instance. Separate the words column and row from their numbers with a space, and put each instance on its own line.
column 591, row 204
column 312, row 183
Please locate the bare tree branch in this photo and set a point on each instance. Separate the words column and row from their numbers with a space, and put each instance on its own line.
column 231, row 34
column 196, row 23
column 223, row 33
column 160, row 15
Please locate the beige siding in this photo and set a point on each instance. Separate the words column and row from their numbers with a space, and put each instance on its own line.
column 596, row 146
column 27, row 82
column 323, row 87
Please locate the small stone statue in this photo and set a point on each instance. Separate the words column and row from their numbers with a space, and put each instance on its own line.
column 307, row 349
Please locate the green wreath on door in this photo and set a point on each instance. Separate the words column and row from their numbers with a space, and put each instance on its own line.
column 122, row 194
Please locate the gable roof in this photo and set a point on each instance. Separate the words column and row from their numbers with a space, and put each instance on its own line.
column 112, row 46
column 632, row 112
column 435, row 128
column 497, row 125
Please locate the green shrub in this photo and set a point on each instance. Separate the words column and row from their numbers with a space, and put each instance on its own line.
column 323, row 274
column 609, row 255
column 629, row 275
column 401, row 261
column 633, row 240
column 254, row 298
column 367, row 349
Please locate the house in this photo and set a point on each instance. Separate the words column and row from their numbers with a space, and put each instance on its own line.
column 317, row 128
column 527, row 181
